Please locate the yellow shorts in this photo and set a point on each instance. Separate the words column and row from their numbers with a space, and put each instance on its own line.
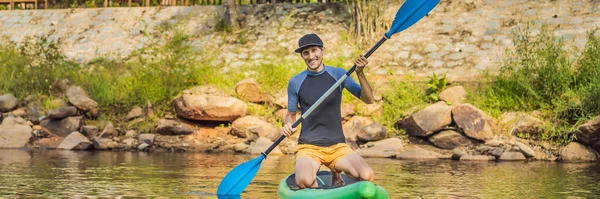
column 327, row 156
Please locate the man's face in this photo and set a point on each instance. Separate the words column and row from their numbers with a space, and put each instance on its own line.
column 313, row 57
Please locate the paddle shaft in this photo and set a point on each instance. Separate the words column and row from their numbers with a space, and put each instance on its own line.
column 324, row 96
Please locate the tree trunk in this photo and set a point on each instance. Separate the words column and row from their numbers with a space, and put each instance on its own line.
column 230, row 16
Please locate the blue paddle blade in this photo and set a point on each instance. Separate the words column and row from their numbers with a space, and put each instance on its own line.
column 410, row 12
column 239, row 177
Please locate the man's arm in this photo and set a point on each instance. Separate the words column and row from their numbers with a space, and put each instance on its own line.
column 366, row 95
column 287, row 129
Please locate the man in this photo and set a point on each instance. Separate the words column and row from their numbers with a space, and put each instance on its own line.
column 321, row 139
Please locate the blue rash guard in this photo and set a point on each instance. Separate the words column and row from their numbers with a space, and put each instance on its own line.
column 323, row 127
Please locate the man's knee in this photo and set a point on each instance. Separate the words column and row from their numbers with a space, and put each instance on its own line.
column 366, row 174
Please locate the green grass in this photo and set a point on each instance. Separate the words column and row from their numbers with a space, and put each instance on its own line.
column 540, row 74
column 403, row 99
column 537, row 74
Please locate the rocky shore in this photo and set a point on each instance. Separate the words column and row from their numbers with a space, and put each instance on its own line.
column 204, row 119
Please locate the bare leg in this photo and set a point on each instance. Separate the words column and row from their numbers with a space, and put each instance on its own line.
column 306, row 172
column 356, row 167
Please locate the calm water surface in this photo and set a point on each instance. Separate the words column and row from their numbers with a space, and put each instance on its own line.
column 67, row 174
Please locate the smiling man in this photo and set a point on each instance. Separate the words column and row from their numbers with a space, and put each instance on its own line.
column 322, row 140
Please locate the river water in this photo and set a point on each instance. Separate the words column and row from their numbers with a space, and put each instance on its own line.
column 83, row 174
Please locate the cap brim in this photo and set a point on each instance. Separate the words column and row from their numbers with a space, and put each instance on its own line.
column 299, row 50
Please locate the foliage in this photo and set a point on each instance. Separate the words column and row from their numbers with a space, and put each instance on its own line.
column 398, row 102
column 435, row 86
column 540, row 74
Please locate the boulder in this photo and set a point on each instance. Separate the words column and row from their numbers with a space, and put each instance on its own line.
column 482, row 158
column 381, row 149
column 63, row 112
column 449, row 139
column 109, row 131
column 146, row 138
column 589, row 133
column 453, row 95
column 173, row 127
column 135, row 113
column 353, row 127
column 576, row 152
column 209, row 108
column 251, row 128
column 62, row 127
column 7, row 102
column 35, row 111
column 418, row 154
column 512, row 156
column 75, row 141
column 14, row 132
column 428, row 121
column 474, row 122
column 249, row 90
column 515, row 123
column 80, row 99
column 372, row 132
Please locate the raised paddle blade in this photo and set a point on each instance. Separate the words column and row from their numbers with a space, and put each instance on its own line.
column 410, row 12
column 239, row 177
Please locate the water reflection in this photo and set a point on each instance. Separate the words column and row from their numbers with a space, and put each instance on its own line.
column 42, row 174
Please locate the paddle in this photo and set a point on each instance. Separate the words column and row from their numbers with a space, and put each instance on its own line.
column 239, row 177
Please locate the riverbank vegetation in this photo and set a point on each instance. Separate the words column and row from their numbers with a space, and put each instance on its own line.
column 537, row 74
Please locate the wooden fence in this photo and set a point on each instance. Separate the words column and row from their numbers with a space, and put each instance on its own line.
column 35, row 4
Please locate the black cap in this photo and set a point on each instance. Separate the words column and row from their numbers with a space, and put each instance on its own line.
column 307, row 41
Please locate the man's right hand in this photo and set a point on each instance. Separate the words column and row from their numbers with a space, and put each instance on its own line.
column 287, row 130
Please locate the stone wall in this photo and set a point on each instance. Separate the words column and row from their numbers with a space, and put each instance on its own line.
column 459, row 38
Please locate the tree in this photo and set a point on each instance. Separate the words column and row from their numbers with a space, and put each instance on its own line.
column 230, row 15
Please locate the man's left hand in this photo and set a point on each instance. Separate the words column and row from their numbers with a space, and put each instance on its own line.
column 360, row 63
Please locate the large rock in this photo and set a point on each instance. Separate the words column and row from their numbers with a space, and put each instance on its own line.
column 515, row 123
column 576, row 152
column 382, row 149
column 172, row 127
column 353, row 127
column 109, row 131
column 209, row 108
column 347, row 111
column 135, row 113
column 75, row 141
column 14, row 132
column 372, row 132
column 449, row 139
column 512, row 156
column 34, row 112
column 418, row 154
column 589, row 133
column 7, row 102
column 473, row 122
column 251, row 128
column 249, row 90
column 80, row 99
column 427, row 121
column 453, row 95
column 261, row 145
column 62, row 127
column 63, row 112
column 104, row 143
column 146, row 138
column 280, row 99
column 476, row 158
